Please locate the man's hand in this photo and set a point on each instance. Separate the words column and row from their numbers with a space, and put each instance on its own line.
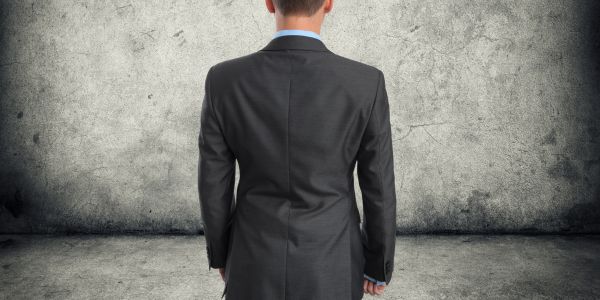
column 222, row 272
column 372, row 289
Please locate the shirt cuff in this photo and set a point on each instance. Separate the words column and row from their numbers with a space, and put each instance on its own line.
column 377, row 282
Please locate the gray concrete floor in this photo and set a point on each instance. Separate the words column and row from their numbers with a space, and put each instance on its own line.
column 175, row 267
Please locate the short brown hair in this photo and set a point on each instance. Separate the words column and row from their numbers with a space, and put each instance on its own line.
column 298, row 7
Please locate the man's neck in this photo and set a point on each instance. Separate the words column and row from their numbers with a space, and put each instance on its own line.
column 312, row 23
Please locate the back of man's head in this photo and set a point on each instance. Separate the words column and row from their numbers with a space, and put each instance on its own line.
column 298, row 7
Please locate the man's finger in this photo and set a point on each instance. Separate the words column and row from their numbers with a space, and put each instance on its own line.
column 379, row 289
column 222, row 272
column 370, row 288
column 365, row 283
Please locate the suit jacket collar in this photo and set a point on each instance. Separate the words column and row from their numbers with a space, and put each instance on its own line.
column 298, row 42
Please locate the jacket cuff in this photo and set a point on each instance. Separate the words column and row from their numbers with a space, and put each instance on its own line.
column 378, row 268
column 215, row 260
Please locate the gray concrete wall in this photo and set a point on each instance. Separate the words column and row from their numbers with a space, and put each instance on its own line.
column 494, row 108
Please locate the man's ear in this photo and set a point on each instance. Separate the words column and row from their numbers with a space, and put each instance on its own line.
column 270, row 6
column 328, row 5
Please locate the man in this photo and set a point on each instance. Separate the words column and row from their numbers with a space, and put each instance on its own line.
column 297, row 118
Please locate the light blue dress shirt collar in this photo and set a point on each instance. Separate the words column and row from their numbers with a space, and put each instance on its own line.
column 297, row 32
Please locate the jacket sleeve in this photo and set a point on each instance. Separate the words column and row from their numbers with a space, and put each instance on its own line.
column 216, row 180
column 375, row 170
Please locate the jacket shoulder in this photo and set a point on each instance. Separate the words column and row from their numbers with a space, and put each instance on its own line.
column 357, row 66
column 233, row 66
column 239, row 64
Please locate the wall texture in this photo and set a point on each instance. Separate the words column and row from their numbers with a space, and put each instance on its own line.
column 494, row 108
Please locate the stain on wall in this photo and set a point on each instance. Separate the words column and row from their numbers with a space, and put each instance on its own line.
column 494, row 109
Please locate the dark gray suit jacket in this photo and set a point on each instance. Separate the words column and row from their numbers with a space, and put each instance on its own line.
column 297, row 118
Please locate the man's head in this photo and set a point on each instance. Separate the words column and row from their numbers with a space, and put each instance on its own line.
column 299, row 14
column 298, row 7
